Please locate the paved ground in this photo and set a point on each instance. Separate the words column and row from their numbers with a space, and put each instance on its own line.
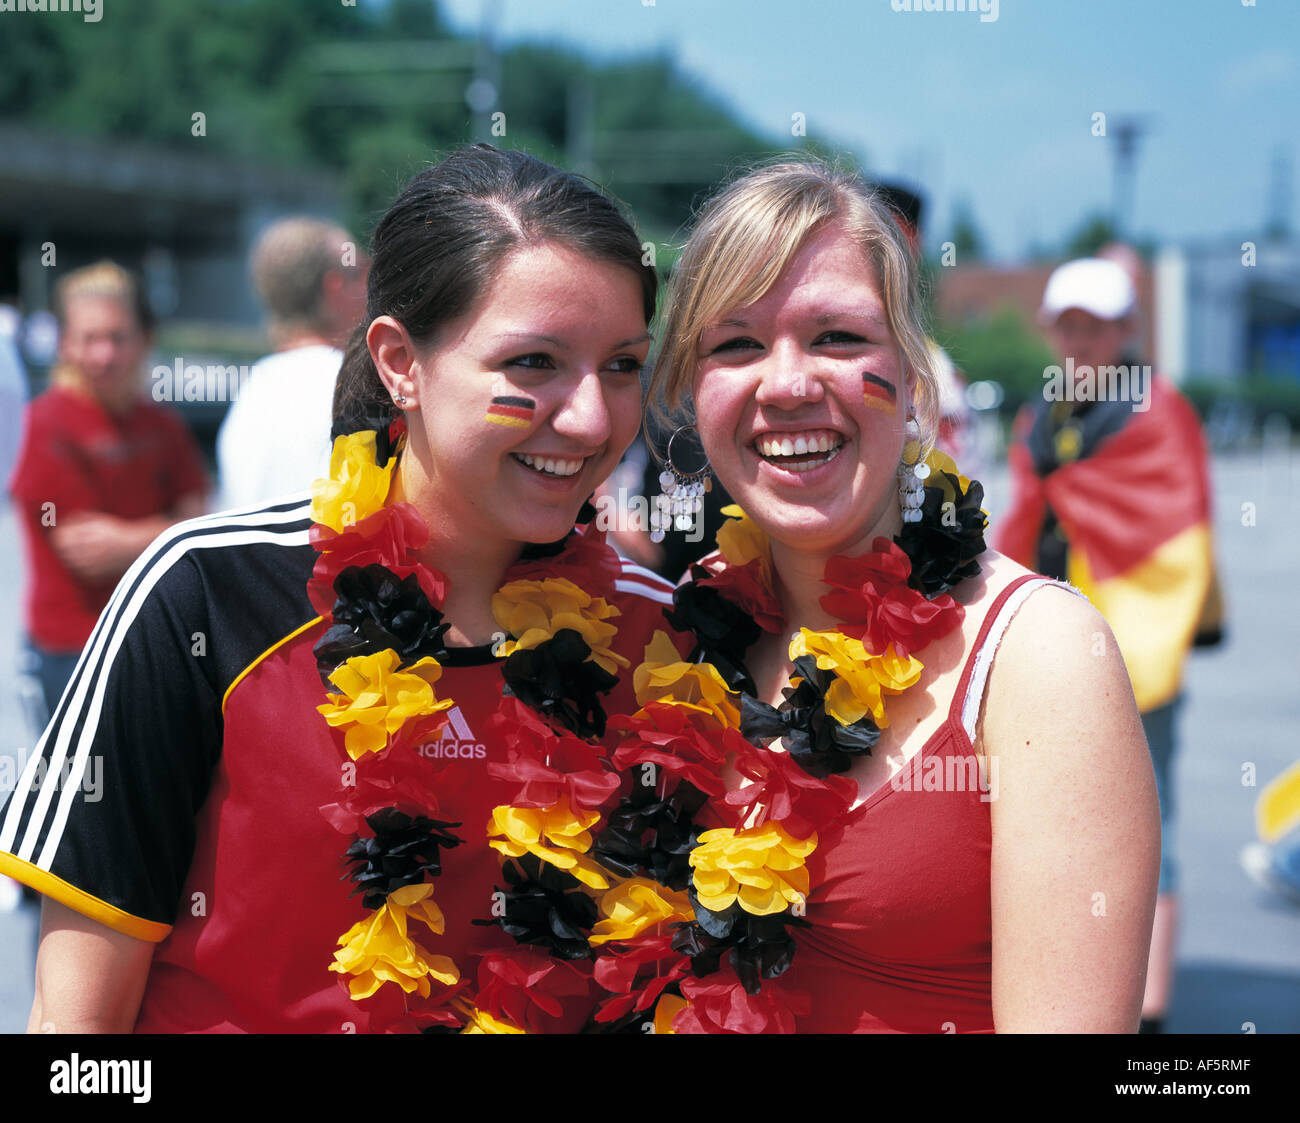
column 1239, row 949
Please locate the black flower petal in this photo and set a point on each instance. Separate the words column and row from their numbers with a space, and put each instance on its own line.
column 818, row 743
column 724, row 630
column 377, row 610
column 943, row 546
column 546, row 907
column 759, row 947
column 645, row 836
column 402, row 851
column 557, row 680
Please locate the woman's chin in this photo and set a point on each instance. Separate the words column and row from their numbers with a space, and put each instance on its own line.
column 823, row 530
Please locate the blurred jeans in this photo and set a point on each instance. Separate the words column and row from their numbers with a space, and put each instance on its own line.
column 52, row 669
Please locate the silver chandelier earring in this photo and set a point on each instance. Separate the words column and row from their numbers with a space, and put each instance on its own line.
column 912, row 473
column 682, row 497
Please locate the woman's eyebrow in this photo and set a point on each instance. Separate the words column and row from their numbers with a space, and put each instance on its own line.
column 852, row 314
column 533, row 337
column 559, row 344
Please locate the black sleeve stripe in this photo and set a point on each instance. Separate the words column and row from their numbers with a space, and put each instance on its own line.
column 78, row 713
column 280, row 514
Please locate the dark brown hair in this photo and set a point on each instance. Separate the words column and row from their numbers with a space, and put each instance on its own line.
column 442, row 241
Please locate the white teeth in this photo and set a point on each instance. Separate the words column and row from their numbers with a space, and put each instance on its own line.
column 549, row 465
column 809, row 465
column 801, row 445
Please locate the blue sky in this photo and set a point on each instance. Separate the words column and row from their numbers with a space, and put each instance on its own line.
column 996, row 112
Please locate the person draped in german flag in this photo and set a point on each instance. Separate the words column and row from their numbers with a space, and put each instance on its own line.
column 1111, row 491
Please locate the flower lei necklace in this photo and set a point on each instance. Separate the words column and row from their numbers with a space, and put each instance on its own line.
column 634, row 872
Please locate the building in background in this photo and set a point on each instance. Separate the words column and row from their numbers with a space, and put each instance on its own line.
column 185, row 222
column 1205, row 313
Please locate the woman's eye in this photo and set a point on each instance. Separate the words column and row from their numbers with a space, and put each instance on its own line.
column 627, row 364
column 740, row 343
column 840, row 337
column 538, row 360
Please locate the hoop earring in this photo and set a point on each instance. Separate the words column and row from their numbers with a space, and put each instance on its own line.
column 912, row 473
column 683, row 494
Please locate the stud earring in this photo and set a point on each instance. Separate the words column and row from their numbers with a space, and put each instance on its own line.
column 682, row 497
column 912, row 473
column 401, row 399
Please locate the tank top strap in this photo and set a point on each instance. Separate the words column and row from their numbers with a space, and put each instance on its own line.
column 969, row 694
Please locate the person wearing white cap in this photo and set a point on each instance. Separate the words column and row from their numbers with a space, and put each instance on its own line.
column 1110, row 483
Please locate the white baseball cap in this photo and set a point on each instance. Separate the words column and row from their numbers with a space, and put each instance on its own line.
column 1099, row 287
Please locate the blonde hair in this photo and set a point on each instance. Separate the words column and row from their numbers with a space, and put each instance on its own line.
column 103, row 279
column 744, row 238
column 289, row 263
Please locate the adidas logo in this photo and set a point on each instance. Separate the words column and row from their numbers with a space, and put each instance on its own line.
column 457, row 740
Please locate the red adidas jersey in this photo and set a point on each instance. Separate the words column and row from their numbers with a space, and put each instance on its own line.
column 204, row 831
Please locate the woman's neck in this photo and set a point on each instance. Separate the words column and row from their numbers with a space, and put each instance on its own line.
column 797, row 574
column 474, row 567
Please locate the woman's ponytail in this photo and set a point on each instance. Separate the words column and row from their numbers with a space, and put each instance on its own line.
column 361, row 400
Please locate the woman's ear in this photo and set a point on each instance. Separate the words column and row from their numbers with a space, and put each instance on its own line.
column 395, row 359
column 910, row 382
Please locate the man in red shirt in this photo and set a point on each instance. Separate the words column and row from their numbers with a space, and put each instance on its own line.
column 103, row 471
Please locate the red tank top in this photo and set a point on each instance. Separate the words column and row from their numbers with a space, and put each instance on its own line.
column 901, row 924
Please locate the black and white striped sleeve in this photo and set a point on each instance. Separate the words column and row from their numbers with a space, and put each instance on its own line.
column 103, row 814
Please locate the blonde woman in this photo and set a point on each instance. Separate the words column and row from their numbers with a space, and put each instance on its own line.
column 992, row 864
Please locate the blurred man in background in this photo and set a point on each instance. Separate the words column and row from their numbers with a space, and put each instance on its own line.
column 102, row 472
column 275, row 439
column 1111, row 492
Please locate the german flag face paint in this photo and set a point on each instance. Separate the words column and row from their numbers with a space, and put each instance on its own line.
column 877, row 393
column 514, row 413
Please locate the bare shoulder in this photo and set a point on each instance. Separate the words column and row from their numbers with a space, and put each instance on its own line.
column 1076, row 831
column 1057, row 643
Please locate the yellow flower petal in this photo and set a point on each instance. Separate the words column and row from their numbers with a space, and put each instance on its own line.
column 635, row 905
column 377, row 699
column 533, row 611
column 557, row 834
column 356, row 487
column 668, row 1007
column 862, row 679
column 741, row 541
column 379, row 949
column 762, row 868
column 480, row 1021
column 664, row 678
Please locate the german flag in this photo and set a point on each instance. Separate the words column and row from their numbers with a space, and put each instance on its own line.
column 515, row 413
column 878, row 393
column 1117, row 501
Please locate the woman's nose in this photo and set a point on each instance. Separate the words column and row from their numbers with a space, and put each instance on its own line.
column 787, row 378
column 584, row 414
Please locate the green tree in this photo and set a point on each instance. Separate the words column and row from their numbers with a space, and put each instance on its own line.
column 968, row 245
column 1093, row 233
